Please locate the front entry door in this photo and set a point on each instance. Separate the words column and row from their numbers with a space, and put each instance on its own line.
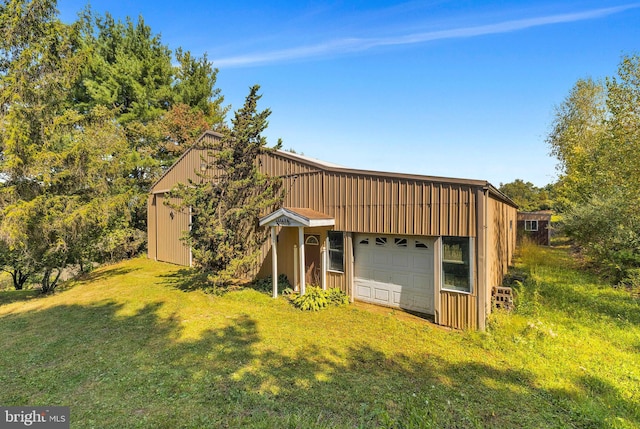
column 312, row 259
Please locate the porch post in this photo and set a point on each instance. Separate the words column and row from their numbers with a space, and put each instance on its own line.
column 274, row 260
column 323, row 266
column 296, row 265
column 301, row 259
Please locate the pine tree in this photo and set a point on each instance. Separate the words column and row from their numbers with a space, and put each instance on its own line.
column 225, row 236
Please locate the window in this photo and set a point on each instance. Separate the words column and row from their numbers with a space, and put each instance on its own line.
column 456, row 264
column 421, row 245
column 530, row 225
column 336, row 251
column 312, row 240
column 364, row 241
column 400, row 242
column 381, row 241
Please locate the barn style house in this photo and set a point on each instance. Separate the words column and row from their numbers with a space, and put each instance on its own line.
column 429, row 245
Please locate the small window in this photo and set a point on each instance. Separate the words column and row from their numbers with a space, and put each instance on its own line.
column 336, row 251
column 401, row 242
column 312, row 240
column 456, row 264
column 364, row 241
column 530, row 225
column 421, row 245
column 381, row 241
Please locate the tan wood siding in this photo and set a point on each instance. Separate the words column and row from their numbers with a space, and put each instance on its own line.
column 337, row 280
column 151, row 227
column 362, row 203
column 170, row 227
column 502, row 238
column 458, row 310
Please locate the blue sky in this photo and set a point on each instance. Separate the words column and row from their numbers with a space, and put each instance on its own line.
column 443, row 88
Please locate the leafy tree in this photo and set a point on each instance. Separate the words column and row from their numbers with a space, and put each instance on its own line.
column 527, row 195
column 224, row 235
column 90, row 115
column 596, row 138
column 579, row 140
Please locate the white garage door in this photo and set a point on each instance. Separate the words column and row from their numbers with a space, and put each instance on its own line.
column 395, row 271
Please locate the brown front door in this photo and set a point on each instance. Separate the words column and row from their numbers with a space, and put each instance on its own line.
column 312, row 259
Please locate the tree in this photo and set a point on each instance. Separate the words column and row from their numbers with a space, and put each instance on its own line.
column 225, row 237
column 579, row 140
column 90, row 115
column 527, row 196
column 596, row 138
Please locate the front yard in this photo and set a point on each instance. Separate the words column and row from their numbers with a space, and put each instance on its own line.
column 125, row 348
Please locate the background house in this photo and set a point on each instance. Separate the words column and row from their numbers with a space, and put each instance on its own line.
column 536, row 226
column 427, row 244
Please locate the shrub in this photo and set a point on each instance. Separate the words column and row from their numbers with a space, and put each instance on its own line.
column 314, row 299
column 631, row 278
column 335, row 296
column 266, row 284
column 607, row 228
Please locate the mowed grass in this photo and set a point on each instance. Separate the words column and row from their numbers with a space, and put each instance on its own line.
column 125, row 348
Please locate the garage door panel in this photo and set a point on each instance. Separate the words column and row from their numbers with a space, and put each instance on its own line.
column 397, row 274
column 382, row 259
column 402, row 279
column 363, row 291
column 397, row 296
column 401, row 260
column 382, row 294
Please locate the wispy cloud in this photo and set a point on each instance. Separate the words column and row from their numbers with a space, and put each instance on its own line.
column 347, row 45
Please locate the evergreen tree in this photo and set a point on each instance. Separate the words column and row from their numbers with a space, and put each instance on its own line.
column 225, row 236
column 87, row 114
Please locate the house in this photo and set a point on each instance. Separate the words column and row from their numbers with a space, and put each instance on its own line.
column 430, row 245
column 536, row 226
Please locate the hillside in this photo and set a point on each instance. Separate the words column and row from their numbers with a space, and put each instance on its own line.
column 124, row 347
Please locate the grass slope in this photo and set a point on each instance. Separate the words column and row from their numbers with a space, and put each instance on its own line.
column 125, row 348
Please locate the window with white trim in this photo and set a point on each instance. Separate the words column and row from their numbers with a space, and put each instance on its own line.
column 456, row 264
column 530, row 225
column 336, row 251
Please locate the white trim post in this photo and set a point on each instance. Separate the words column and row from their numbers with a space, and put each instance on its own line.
column 274, row 260
column 301, row 259
column 296, row 284
column 323, row 266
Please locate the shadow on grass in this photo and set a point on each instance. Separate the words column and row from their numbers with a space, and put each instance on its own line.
column 9, row 296
column 133, row 370
column 187, row 279
column 101, row 274
column 617, row 305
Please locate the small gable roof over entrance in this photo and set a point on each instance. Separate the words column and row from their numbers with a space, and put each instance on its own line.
column 289, row 216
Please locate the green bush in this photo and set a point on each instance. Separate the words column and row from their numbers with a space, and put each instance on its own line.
column 607, row 229
column 266, row 284
column 313, row 300
column 335, row 296
column 316, row 299
column 631, row 278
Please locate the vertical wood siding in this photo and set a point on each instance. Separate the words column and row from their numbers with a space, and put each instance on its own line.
column 458, row 310
column 366, row 203
column 170, row 225
column 502, row 239
column 152, row 228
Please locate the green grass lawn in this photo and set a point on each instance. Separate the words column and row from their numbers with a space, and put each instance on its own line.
column 125, row 348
